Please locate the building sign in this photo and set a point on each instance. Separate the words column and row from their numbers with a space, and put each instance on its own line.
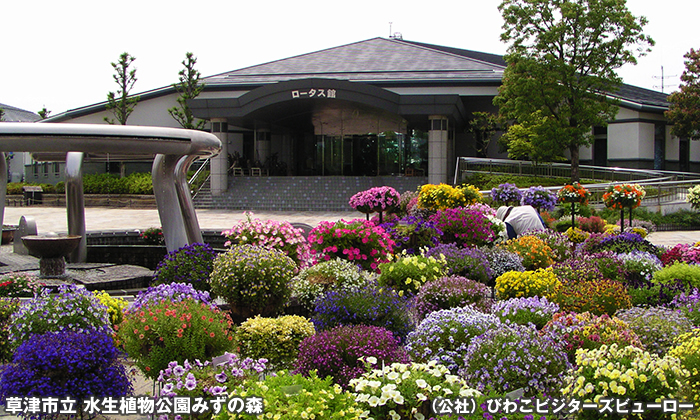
column 314, row 93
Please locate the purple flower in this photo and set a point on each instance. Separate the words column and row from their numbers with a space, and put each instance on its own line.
column 506, row 193
column 173, row 292
column 336, row 352
column 221, row 377
column 539, row 198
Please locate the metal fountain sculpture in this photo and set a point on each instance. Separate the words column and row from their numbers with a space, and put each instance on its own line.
column 173, row 150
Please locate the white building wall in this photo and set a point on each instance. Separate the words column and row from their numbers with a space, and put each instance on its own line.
column 153, row 112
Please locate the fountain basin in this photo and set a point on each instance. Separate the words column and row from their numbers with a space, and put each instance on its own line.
column 51, row 250
column 44, row 246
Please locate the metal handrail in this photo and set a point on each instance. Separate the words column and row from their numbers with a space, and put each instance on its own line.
column 662, row 187
column 552, row 169
column 200, row 169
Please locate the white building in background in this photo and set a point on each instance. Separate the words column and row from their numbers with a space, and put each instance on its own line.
column 378, row 108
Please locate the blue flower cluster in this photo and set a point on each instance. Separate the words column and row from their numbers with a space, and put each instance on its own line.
column 510, row 357
column 192, row 263
column 411, row 233
column 73, row 308
column 444, row 335
column 173, row 292
column 506, row 193
column 368, row 306
column 536, row 311
column 468, row 262
column 501, row 261
column 539, row 198
column 66, row 363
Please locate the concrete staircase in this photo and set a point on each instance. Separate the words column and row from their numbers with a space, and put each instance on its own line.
column 308, row 193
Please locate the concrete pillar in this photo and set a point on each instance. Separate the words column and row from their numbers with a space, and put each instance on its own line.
column 219, row 163
column 438, row 149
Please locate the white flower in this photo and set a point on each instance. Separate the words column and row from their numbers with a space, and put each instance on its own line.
column 421, row 397
column 372, row 360
column 373, row 401
column 421, row 383
column 394, row 415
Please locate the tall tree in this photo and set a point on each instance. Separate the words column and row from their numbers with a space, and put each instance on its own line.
column 562, row 59
column 189, row 88
column 44, row 113
column 684, row 112
column 120, row 103
column 483, row 126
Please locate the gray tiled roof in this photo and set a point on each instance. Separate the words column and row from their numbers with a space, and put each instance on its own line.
column 394, row 61
column 373, row 60
column 13, row 114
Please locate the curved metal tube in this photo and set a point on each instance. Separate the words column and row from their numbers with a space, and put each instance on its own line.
column 172, row 222
column 175, row 149
column 3, row 185
column 189, row 215
column 75, row 204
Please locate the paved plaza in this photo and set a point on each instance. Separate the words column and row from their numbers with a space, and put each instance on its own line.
column 54, row 219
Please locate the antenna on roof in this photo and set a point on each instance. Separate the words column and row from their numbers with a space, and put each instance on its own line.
column 663, row 78
column 397, row 35
column 390, row 29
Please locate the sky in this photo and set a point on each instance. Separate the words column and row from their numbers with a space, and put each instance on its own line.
column 57, row 54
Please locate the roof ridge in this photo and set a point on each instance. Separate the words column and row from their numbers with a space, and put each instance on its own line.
column 291, row 57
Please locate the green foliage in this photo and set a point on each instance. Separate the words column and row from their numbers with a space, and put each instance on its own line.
column 530, row 140
column 686, row 273
column 174, row 331
column 120, row 103
column 684, row 112
column 274, row 339
column 562, row 55
column 483, row 126
column 188, row 88
column 136, row 183
column 7, row 308
column 485, row 181
column 293, row 397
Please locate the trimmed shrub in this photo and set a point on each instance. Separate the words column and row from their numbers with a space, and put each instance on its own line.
column 253, row 280
column 533, row 311
column 274, row 339
column 597, row 296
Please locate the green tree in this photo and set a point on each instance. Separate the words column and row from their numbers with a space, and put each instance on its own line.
column 189, row 88
column 562, row 61
column 2, row 114
column 44, row 113
column 684, row 111
column 120, row 103
column 532, row 139
column 483, row 126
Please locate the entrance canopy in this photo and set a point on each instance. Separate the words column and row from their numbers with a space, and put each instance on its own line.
column 174, row 151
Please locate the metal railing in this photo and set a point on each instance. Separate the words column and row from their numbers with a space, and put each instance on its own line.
column 466, row 165
column 193, row 179
column 662, row 187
